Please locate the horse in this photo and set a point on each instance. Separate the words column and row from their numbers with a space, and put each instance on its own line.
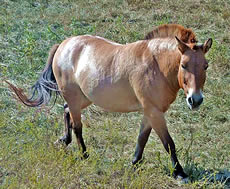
column 143, row 76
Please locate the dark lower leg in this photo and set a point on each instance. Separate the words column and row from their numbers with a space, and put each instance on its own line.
column 78, row 132
column 67, row 138
column 141, row 142
column 170, row 148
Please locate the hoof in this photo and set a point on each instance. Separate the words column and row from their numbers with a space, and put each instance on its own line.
column 181, row 177
column 60, row 142
column 182, row 180
column 64, row 141
column 85, row 155
column 137, row 162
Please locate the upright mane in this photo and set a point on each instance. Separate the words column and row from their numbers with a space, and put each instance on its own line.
column 172, row 30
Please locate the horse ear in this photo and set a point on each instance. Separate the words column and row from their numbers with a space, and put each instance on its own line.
column 207, row 45
column 181, row 45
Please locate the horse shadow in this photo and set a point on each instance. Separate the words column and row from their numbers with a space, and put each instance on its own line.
column 199, row 174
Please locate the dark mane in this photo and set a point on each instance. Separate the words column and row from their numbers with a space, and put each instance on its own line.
column 172, row 30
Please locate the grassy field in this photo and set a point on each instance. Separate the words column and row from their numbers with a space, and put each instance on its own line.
column 28, row 158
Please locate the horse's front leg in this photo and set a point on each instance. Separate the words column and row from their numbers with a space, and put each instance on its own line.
column 67, row 138
column 144, row 133
column 158, row 123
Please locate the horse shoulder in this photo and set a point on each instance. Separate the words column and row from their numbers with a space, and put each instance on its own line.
column 150, row 84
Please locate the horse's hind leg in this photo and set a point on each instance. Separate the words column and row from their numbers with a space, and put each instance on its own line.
column 67, row 138
column 144, row 133
column 77, row 128
column 76, row 102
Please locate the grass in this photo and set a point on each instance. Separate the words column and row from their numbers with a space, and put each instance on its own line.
column 28, row 159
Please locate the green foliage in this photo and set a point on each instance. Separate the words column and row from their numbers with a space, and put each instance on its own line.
column 28, row 158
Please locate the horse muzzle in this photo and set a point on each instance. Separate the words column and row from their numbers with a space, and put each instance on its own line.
column 194, row 100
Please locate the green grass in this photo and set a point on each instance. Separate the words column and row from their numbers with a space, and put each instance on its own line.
column 28, row 158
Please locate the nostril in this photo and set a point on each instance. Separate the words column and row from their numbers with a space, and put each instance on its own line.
column 200, row 101
column 190, row 101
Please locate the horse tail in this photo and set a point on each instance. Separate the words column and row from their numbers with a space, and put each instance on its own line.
column 44, row 87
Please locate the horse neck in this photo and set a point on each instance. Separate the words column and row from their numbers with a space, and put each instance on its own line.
column 168, row 59
column 171, row 68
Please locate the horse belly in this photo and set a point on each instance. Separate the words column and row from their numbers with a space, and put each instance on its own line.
column 115, row 97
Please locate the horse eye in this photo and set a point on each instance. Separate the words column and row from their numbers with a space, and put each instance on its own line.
column 194, row 41
column 183, row 66
column 206, row 67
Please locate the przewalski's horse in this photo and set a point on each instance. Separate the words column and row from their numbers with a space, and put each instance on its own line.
column 141, row 76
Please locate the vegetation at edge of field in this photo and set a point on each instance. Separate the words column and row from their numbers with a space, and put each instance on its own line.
column 28, row 158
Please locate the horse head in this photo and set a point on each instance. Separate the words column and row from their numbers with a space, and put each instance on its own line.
column 192, row 71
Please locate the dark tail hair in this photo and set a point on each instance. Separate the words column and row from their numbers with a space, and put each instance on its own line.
column 43, row 88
